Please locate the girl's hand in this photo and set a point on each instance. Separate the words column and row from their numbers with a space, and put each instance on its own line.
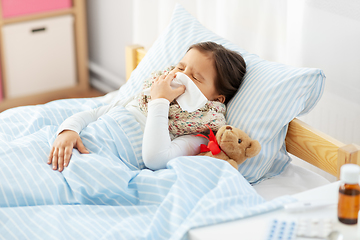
column 61, row 151
column 161, row 88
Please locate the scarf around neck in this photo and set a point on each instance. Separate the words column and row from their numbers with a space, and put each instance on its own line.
column 182, row 122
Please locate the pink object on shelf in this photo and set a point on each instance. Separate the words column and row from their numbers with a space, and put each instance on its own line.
column 13, row 8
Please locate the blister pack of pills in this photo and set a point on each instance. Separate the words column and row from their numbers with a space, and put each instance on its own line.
column 303, row 228
column 314, row 227
column 282, row 230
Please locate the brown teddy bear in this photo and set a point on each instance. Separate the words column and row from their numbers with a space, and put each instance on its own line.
column 230, row 144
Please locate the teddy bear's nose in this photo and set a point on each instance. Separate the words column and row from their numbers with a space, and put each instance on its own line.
column 228, row 127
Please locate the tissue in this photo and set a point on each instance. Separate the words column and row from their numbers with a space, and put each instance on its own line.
column 192, row 99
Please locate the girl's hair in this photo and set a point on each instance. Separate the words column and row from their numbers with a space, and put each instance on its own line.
column 230, row 67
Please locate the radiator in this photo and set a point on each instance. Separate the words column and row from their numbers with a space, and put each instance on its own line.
column 336, row 117
column 102, row 79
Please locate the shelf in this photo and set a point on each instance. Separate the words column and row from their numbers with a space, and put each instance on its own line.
column 78, row 10
column 38, row 16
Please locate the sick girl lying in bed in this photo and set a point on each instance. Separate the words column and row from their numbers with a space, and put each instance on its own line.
column 169, row 131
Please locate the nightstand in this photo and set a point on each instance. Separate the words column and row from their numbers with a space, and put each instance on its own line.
column 255, row 228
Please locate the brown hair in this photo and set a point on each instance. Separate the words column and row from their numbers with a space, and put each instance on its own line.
column 230, row 67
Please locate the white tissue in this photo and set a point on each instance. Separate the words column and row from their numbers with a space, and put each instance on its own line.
column 192, row 99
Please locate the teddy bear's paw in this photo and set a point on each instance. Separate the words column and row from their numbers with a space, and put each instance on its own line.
column 233, row 163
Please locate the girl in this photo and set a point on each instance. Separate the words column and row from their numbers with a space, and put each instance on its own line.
column 216, row 71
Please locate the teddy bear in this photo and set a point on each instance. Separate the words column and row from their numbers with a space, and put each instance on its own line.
column 230, row 144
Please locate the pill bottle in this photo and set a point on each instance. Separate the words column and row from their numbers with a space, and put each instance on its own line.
column 349, row 194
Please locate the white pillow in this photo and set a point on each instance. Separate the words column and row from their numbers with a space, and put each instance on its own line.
column 271, row 95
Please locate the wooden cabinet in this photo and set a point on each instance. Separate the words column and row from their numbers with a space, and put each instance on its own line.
column 43, row 51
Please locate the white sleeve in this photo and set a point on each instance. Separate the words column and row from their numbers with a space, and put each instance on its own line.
column 158, row 148
column 79, row 121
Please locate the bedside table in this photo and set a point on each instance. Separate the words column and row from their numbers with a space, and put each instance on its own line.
column 256, row 227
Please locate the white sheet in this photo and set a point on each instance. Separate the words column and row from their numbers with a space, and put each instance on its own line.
column 294, row 179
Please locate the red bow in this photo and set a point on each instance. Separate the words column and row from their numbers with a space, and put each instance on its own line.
column 212, row 146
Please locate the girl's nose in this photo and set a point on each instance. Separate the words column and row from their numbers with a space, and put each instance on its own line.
column 184, row 72
column 187, row 74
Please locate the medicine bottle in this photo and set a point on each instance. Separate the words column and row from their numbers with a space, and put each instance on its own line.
column 349, row 194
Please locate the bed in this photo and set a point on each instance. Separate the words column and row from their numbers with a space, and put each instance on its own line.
column 110, row 194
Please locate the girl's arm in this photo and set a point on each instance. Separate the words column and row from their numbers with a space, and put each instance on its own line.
column 68, row 134
column 158, row 148
column 79, row 121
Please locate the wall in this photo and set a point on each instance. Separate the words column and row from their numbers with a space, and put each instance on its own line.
column 109, row 31
column 332, row 43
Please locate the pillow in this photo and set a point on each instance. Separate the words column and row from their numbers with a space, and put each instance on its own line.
column 272, row 94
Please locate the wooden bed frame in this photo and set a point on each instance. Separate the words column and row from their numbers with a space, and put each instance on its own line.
column 302, row 140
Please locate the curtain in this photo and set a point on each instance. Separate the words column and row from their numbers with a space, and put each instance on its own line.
column 259, row 26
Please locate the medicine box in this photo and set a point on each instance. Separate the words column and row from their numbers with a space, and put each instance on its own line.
column 39, row 56
column 13, row 8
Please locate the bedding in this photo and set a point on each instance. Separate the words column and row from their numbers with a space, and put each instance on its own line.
column 294, row 179
column 109, row 194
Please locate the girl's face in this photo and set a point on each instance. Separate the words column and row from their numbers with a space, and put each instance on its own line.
column 201, row 69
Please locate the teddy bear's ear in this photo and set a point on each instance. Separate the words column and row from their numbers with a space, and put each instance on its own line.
column 253, row 149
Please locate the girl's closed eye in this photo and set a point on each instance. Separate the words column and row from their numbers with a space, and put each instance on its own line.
column 198, row 78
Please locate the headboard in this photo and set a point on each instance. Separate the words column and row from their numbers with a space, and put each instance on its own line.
column 302, row 140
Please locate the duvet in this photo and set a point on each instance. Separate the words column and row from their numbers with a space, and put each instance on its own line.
column 109, row 193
